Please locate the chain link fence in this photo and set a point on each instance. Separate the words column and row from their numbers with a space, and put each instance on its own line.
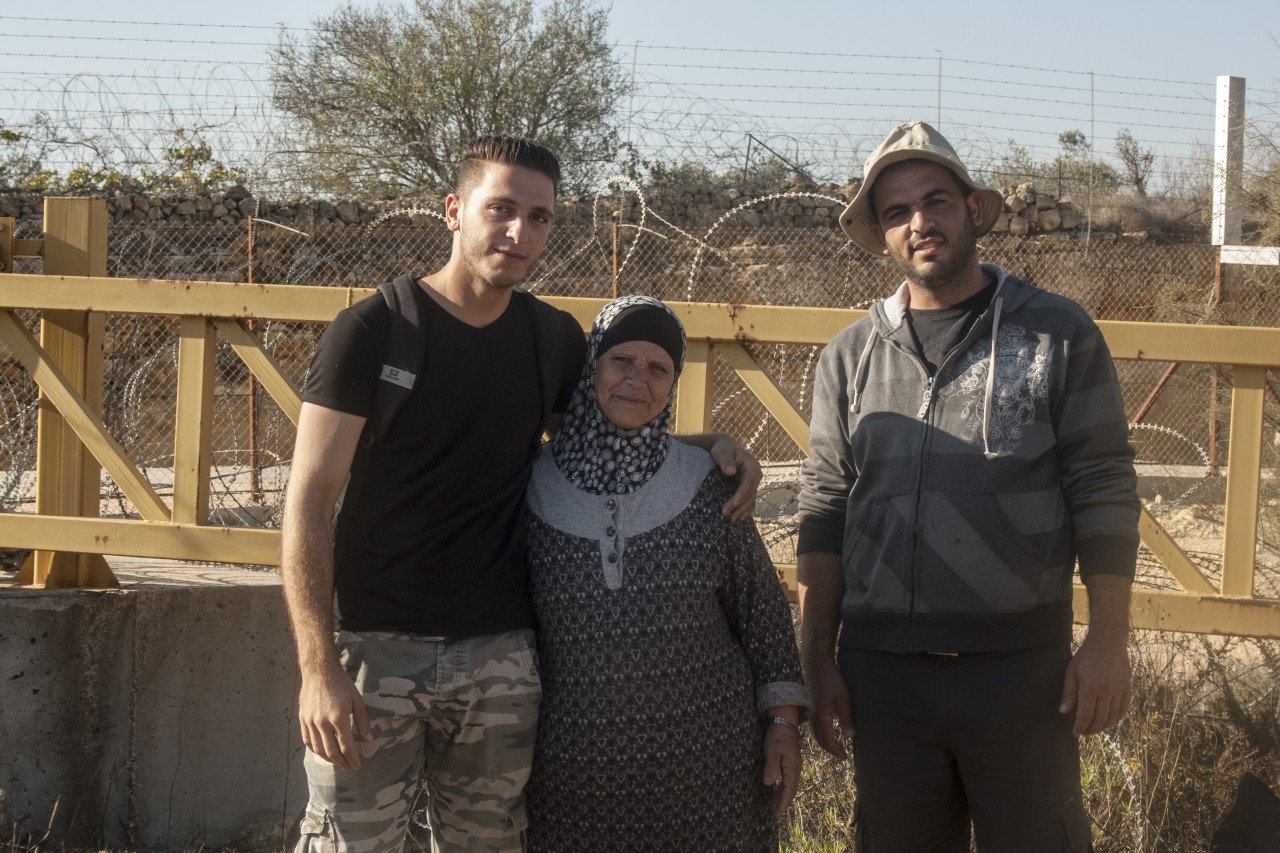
column 1181, row 412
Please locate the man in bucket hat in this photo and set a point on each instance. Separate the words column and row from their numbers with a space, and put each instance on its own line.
column 968, row 446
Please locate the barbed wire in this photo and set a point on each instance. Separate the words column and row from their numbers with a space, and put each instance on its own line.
column 881, row 90
column 962, row 110
column 685, row 48
column 184, row 24
column 1166, row 504
column 184, row 60
column 683, row 111
column 135, row 40
column 916, row 58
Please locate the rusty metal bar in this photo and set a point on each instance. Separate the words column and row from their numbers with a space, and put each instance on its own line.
column 1155, row 393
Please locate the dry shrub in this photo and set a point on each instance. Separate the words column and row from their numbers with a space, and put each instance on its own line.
column 1162, row 219
column 1205, row 710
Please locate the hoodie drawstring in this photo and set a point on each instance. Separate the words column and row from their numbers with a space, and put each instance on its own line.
column 989, row 396
column 860, row 373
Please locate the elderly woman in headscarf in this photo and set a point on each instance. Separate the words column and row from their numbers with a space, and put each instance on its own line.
column 671, row 684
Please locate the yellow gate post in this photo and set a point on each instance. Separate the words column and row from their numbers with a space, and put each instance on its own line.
column 67, row 475
column 693, row 394
column 6, row 244
column 193, row 435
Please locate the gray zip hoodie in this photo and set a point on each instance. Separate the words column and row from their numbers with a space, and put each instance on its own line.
column 960, row 503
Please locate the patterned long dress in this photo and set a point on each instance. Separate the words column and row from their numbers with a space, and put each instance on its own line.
column 662, row 635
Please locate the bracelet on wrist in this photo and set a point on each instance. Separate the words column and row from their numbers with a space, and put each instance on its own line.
column 785, row 723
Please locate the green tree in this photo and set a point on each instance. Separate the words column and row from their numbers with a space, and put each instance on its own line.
column 189, row 164
column 764, row 174
column 1074, row 143
column 185, row 165
column 1073, row 171
column 384, row 99
column 90, row 179
column 22, row 159
column 1136, row 160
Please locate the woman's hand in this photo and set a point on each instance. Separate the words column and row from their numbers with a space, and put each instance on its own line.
column 782, row 758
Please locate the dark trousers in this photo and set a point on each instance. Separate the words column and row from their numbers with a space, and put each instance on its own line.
column 940, row 741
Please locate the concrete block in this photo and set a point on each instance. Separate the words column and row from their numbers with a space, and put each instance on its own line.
column 216, row 737
column 65, row 700
column 159, row 716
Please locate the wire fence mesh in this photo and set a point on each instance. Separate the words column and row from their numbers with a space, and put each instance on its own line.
column 1181, row 412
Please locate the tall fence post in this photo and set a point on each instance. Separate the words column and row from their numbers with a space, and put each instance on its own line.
column 1227, row 213
column 68, row 477
column 1228, row 161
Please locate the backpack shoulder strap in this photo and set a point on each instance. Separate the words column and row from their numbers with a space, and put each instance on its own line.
column 405, row 356
column 406, row 353
column 551, row 328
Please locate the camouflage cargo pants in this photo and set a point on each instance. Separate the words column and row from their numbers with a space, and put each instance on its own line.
column 456, row 715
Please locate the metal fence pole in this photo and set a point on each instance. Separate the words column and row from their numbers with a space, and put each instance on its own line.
column 255, row 477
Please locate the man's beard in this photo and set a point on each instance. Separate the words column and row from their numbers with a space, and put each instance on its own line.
column 473, row 255
column 939, row 278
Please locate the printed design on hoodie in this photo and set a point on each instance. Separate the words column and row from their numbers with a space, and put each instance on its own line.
column 1022, row 381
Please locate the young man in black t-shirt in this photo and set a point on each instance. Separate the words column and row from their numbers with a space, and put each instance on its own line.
column 432, row 676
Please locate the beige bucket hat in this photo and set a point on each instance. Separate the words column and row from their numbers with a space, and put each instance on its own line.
column 914, row 140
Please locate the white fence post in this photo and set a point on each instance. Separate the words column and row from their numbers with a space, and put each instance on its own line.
column 1228, row 161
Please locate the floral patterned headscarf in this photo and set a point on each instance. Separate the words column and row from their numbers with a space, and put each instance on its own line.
column 592, row 452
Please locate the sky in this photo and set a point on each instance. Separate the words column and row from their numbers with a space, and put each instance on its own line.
column 1179, row 39
column 817, row 82
column 1172, row 39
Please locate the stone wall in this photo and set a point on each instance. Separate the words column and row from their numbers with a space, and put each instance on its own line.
column 794, row 206
column 1029, row 212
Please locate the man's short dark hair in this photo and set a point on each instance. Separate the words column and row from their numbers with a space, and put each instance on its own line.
column 507, row 150
column 965, row 189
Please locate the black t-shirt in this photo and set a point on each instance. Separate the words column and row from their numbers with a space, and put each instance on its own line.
column 937, row 330
column 435, row 543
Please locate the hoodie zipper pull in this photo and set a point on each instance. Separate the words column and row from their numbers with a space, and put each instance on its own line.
column 924, row 400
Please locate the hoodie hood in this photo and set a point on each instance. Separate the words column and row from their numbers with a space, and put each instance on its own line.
column 890, row 313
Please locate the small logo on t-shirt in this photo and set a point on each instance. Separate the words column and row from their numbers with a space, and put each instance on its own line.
column 396, row 376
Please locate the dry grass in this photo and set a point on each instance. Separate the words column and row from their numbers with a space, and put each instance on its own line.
column 1205, row 711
